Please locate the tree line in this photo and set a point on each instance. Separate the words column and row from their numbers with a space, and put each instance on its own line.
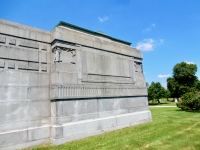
column 184, row 85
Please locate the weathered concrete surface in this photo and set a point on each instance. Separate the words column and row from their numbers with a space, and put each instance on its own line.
column 25, row 113
column 80, row 129
column 66, row 84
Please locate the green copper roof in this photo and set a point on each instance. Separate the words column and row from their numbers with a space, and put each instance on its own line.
column 61, row 23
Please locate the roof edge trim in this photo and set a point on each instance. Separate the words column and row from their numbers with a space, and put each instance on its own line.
column 65, row 24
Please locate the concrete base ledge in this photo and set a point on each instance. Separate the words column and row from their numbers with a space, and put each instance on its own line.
column 78, row 130
column 25, row 145
column 58, row 134
column 18, row 139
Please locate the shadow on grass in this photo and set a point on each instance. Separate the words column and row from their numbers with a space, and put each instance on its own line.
column 153, row 104
column 193, row 111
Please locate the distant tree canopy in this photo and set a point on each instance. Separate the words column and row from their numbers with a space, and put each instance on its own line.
column 183, row 80
column 167, row 94
column 156, row 91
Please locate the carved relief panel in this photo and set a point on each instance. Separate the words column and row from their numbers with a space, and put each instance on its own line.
column 64, row 55
column 104, row 68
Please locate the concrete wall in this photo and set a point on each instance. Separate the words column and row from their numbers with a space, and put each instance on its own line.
column 97, row 85
column 66, row 84
column 25, row 112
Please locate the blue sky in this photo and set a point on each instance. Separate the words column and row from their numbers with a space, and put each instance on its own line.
column 167, row 31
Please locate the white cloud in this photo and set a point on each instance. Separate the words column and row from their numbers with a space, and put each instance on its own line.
column 149, row 44
column 164, row 75
column 149, row 29
column 189, row 62
column 103, row 19
column 146, row 45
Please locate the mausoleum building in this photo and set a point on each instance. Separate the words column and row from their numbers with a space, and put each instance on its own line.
column 66, row 84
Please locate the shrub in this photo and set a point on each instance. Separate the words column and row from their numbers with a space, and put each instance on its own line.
column 190, row 101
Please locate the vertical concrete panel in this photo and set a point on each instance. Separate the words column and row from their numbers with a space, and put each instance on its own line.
column 38, row 133
column 66, row 78
column 106, row 104
column 38, row 109
column 94, row 63
column 13, row 78
column 13, row 138
column 43, row 57
column 38, row 93
column 13, row 111
column 13, row 93
column 69, row 108
column 126, row 68
column 87, row 106
column 38, row 79
column 140, row 82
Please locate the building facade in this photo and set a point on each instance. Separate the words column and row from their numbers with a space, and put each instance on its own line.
column 66, row 84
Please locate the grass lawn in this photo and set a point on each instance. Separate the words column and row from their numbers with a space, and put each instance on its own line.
column 162, row 103
column 171, row 129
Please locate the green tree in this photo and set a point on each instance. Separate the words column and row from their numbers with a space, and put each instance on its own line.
column 156, row 91
column 183, row 80
column 197, row 85
column 167, row 94
column 190, row 101
column 173, row 87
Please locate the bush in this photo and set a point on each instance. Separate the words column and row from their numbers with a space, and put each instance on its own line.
column 189, row 101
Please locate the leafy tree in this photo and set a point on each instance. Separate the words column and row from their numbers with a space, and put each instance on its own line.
column 190, row 101
column 185, row 73
column 183, row 80
column 197, row 85
column 156, row 91
column 167, row 94
column 173, row 87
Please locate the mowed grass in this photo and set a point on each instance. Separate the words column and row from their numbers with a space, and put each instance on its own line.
column 162, row 103
column 171, row 129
